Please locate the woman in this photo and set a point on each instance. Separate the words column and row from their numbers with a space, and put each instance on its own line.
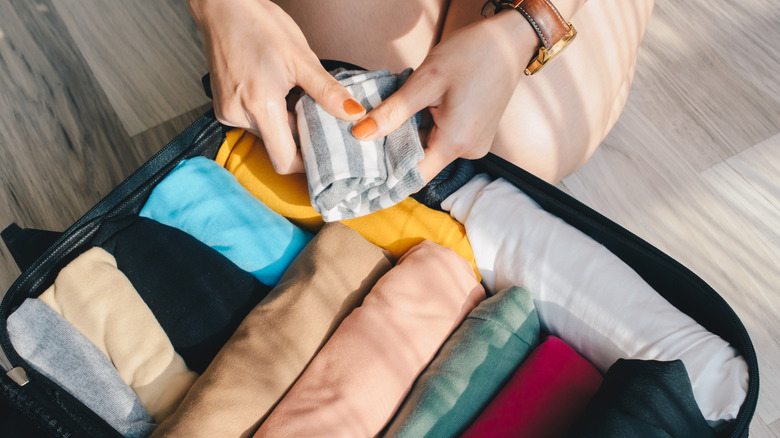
column 468, row 74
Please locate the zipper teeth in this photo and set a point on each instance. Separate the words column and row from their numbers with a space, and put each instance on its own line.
column 5, row 363
column 497, row 165
column 40, row 413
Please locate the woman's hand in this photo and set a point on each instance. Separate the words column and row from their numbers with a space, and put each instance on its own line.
column 256, row 55
column 466, row 82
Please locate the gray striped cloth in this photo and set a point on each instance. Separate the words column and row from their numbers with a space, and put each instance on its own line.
column 348, row 177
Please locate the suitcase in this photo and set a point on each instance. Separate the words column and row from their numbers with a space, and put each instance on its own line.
column 32, row 405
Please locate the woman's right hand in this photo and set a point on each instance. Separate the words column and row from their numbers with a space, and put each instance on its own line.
column 256, row 55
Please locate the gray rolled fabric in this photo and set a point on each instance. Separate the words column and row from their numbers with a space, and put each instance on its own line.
column 58, row 351
column 348, row 177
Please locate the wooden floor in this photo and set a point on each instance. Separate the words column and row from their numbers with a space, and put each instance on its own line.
column 89, row 90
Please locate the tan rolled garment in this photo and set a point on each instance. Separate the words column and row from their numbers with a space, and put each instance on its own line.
column 361, row 376
column 276, row 341
column 101, row 303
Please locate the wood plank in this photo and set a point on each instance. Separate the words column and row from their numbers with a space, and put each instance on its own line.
column 745, row 34
column 8, row 271
column 760, row 167
column 63, row 146
column 759, row 429
column 690, row 87
column 147, row 56
column 748, row 183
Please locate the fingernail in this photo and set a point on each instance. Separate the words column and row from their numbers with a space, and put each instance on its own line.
column 364, row 128
column 352, row 107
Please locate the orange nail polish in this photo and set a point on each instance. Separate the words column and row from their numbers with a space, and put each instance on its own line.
column 352, row 107
column 364, row 128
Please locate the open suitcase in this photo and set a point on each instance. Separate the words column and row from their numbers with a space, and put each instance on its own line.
column 40, row 407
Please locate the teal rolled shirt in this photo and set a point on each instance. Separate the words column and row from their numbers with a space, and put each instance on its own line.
column 470, row 367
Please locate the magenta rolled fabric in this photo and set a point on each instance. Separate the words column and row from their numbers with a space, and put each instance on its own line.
column 543, row 399
column 362, row 374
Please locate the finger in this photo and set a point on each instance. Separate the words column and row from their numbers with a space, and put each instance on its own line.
column 230, row 112
column 297, row 164
column 273, row 124
column 437, row 156
column 417, row 93
column 292, row 121
column 329, row 93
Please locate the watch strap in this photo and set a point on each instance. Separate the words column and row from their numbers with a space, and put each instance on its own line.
column 543, row 16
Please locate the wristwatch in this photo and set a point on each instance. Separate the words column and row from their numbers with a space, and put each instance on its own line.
column 554, row 32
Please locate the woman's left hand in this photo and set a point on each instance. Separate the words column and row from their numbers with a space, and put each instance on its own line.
column 466, row 83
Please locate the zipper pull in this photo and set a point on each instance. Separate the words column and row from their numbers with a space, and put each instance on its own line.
column 18, row 375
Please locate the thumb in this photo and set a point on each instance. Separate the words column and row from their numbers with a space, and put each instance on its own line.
column 412, row 97
column 329, row 93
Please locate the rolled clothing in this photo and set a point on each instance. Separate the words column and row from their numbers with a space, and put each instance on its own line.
column 543, row 398
column 396, row 229
column 470, row 367
column 202, row 199
column 589, row 297
column 244, row 155
column 348, row 177
column 54, row 348
column 101, row 303
column 198, row 296
column 276, row 341
column 361, row 375
column 450, row 179
column 643, row 398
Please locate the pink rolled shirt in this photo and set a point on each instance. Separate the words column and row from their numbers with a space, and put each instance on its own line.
column 362, row 374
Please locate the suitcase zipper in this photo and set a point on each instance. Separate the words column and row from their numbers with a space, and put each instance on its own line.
column 5, row 364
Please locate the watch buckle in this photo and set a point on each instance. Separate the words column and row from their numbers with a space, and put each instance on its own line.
column 543, row 56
